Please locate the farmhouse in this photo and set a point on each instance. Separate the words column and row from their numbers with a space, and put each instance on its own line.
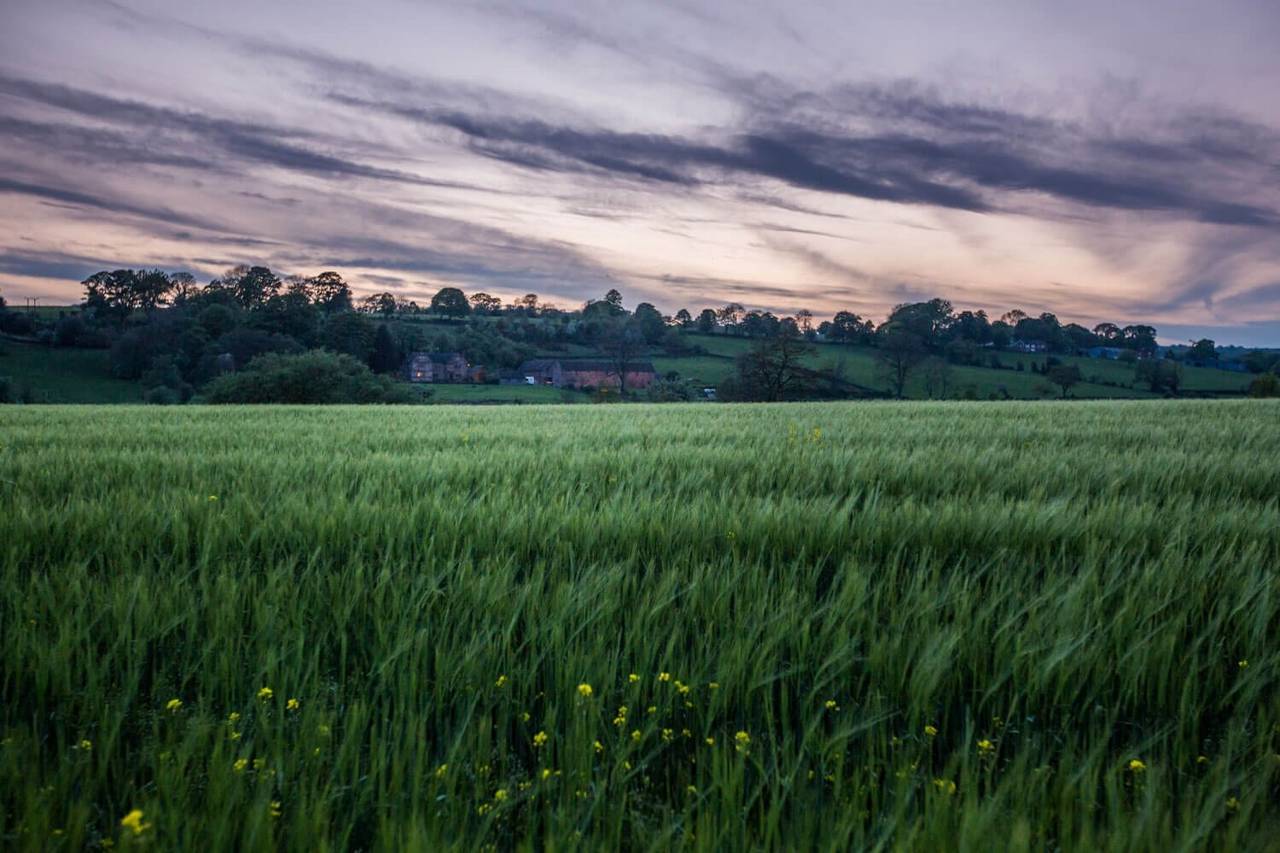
column 437, row 367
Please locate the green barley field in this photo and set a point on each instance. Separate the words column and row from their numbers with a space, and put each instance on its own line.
column 951, row 626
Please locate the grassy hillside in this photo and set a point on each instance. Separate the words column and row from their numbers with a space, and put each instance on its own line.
column 65, row 375
column 83, row 376
column 1022, row 626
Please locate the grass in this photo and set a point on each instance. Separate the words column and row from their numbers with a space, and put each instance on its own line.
column 851, row 626
column 58, row 375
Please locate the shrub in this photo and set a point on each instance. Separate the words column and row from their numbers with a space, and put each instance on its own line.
column 1266, row 385
column 312, row 377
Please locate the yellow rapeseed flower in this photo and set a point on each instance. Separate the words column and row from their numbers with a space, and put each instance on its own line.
column 664, row 676
column 441, row 770
column 667, row 734
column 173, row 705
column 213, row 497
column 540, row 739
column 598, row 746
column 986, row 747
column 501, row 682
column 500, row 795
column 692, row 789
column 1202, row 759
column 946, row 786
column 484, row 809
column 133, row 822
column 831, row 705
column 584, row 690
column 292, row 705
column 86, row 745
column 652, row 709
column 233, row 717
column 931, row 731
column 635, row 735
column 275, row 809
column 546, row 773
column 715, row 685
column 1233, row 804
column 711, row 741
column 1243, row 664
column 1137, row 766
column 633, row 678
column 265, row 693
column 741, row 741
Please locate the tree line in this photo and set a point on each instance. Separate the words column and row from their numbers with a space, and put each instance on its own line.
column 177, row 336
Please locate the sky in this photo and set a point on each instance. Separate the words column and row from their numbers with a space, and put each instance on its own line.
column 1105, row 161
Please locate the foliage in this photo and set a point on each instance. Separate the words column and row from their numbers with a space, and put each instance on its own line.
column 312, row 377
column 1266, row 385
column 858, row 626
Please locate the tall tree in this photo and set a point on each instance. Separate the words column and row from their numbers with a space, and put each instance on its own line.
column 485, row 304
column 329, row 292
column 621, row 343
column 451, row 302
column 251, row 287
column 385, row 357
column 1065, row 376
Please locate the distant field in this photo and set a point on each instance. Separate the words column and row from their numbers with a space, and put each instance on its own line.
column 65, row 375
column 502, row 394
column 847, row 626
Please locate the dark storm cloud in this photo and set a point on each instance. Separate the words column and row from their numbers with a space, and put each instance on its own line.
column 929, row 153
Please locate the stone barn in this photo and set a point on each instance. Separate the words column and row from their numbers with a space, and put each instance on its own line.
column 604, row 374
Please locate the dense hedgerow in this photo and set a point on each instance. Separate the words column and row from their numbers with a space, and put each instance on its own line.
column 834, row 626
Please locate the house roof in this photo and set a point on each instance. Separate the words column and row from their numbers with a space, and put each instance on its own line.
column 539, row 363
column 604, row 366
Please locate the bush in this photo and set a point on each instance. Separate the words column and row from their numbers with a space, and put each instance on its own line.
column 1266, row 385
column 161, row 395
column 313, row 377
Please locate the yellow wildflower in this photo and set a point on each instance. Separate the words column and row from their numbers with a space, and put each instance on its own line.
column 500, row 795
column 213, row 497
column 986, row 747
column 234, row 735
column 484, row 809
column 292, row 705
column 633, row 678
column 1137, row 766
column 501, row 682
column 173, row 705
column 831, row 705
column 1243, row 664
column 441, row 770
column 584, row 690
column 233, row 717
column 946, row 786
column 86, row 745
column 275, row 809
column 133, row 822
column 546, row 773
column 524, row 717
column 711, row 741
column 1233, row 804
column 667, row 735
column 635, row 735
column 931, row 731
column 741, row 741
column 598, row 747
column 540, row 739
column 1202, row 759
column 692, row 789
column 626, row 765
column 664, row 676
column 652, row 709
column 265, row 693
column 715, row 685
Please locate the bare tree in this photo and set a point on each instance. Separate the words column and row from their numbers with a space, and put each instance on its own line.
column 900, row 353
